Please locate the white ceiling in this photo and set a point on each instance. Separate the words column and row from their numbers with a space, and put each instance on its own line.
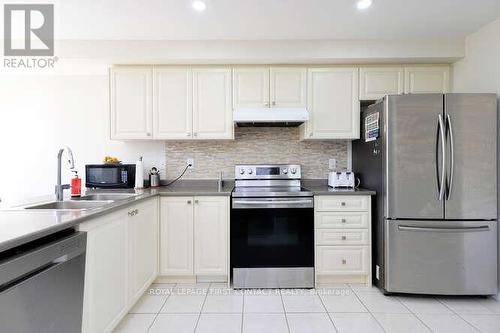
column 269, row 19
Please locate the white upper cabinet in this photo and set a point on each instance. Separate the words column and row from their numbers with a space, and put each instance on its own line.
column 375, row 82
column 131, row 107
column 288, row 87
column 250, row 87
column 211, row 221
column 427, row 79
column 212, row 112
column 176, row 236
column 333, row 104
column 172, row 103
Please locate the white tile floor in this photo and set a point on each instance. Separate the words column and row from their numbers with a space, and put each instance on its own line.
column 205, row 307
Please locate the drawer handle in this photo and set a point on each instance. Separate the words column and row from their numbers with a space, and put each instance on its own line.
column 344, row 221
column 344, row 237
column 344, row 261
column 342, row 203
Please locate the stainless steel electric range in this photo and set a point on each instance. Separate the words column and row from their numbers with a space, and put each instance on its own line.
column 272, row 228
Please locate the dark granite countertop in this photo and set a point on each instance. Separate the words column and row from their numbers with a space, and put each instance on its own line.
column 320, row 187
column 19, row 226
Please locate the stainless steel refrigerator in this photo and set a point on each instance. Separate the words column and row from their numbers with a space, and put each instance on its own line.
column 432, row 159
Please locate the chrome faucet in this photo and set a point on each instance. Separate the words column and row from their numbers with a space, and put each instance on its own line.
column 59, row 187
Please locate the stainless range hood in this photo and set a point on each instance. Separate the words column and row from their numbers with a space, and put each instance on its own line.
column 270, row 117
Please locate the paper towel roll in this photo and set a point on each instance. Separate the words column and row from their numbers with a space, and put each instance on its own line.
column 139, row 173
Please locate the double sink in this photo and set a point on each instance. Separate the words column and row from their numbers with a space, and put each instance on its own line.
column 90, row 201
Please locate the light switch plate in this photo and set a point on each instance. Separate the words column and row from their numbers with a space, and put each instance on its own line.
column 332, row 164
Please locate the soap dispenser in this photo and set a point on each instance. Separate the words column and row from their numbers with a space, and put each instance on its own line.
column 76, row 185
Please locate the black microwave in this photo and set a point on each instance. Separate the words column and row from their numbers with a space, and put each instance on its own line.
column 110, row 175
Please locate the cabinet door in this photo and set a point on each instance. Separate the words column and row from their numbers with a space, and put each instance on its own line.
column 250, row 87
column 176, row 236
column 143, row 247
column 211, row 215
column 172, row 103
column 375, row 82
column 105, row 297
column 212, row 112
column 288, row 87
column 131, row 103
column 428, row 79
column 333, row 104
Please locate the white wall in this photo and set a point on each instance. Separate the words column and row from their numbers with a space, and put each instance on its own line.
column 479, row 71
column 39, row 113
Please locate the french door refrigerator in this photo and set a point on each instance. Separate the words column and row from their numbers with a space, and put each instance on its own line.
column 432, row 159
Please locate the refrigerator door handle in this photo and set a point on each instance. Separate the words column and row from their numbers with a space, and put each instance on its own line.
column 440, row 180
column 461, row 229
column 449, row 130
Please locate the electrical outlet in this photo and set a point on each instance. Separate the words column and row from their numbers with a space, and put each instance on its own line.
column 332, row 164
column 190, row 161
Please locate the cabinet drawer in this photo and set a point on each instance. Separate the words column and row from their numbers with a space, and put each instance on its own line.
column 342, row 203
column 341, row 220
column 342, row 259
column 341, row 237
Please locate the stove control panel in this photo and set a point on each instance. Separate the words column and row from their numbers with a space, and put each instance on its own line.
column 260, row 171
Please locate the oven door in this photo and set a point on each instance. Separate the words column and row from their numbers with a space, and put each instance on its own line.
column 272, row 242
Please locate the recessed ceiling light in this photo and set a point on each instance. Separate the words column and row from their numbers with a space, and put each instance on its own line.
column 364, row 4
column 199, row 5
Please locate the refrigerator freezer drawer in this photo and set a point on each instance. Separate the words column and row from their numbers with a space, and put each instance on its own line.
column 441, row 257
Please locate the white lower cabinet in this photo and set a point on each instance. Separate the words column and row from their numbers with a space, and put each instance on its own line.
column 143, row 248
column 121, row 262
column 210, row 235
column 342, row 238
column 105, row 296
column 176, row 236
column 194, row 237
column 342, row 260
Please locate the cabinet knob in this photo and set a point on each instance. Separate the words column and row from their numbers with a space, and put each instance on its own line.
column 195, row 134
column 343, row 220
column 342, row 203
column 344, row 261
column 196, row 201
column 188, row 134
column 148, row 134
column 266, row 105
column 274, row 103
column 189, row 202
column 344, row 237
column 310, row 135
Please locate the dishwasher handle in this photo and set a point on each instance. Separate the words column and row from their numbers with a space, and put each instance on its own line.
column 41, row 257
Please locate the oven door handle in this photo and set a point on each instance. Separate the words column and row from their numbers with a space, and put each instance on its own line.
column 308, row 203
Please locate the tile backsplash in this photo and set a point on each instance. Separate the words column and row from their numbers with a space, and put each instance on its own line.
column 254, row 145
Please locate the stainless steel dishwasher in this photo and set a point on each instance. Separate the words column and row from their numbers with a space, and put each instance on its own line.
column 41, row 285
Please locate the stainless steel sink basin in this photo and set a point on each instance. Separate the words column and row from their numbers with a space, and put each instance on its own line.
column 105, row 196
column 70, row 205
